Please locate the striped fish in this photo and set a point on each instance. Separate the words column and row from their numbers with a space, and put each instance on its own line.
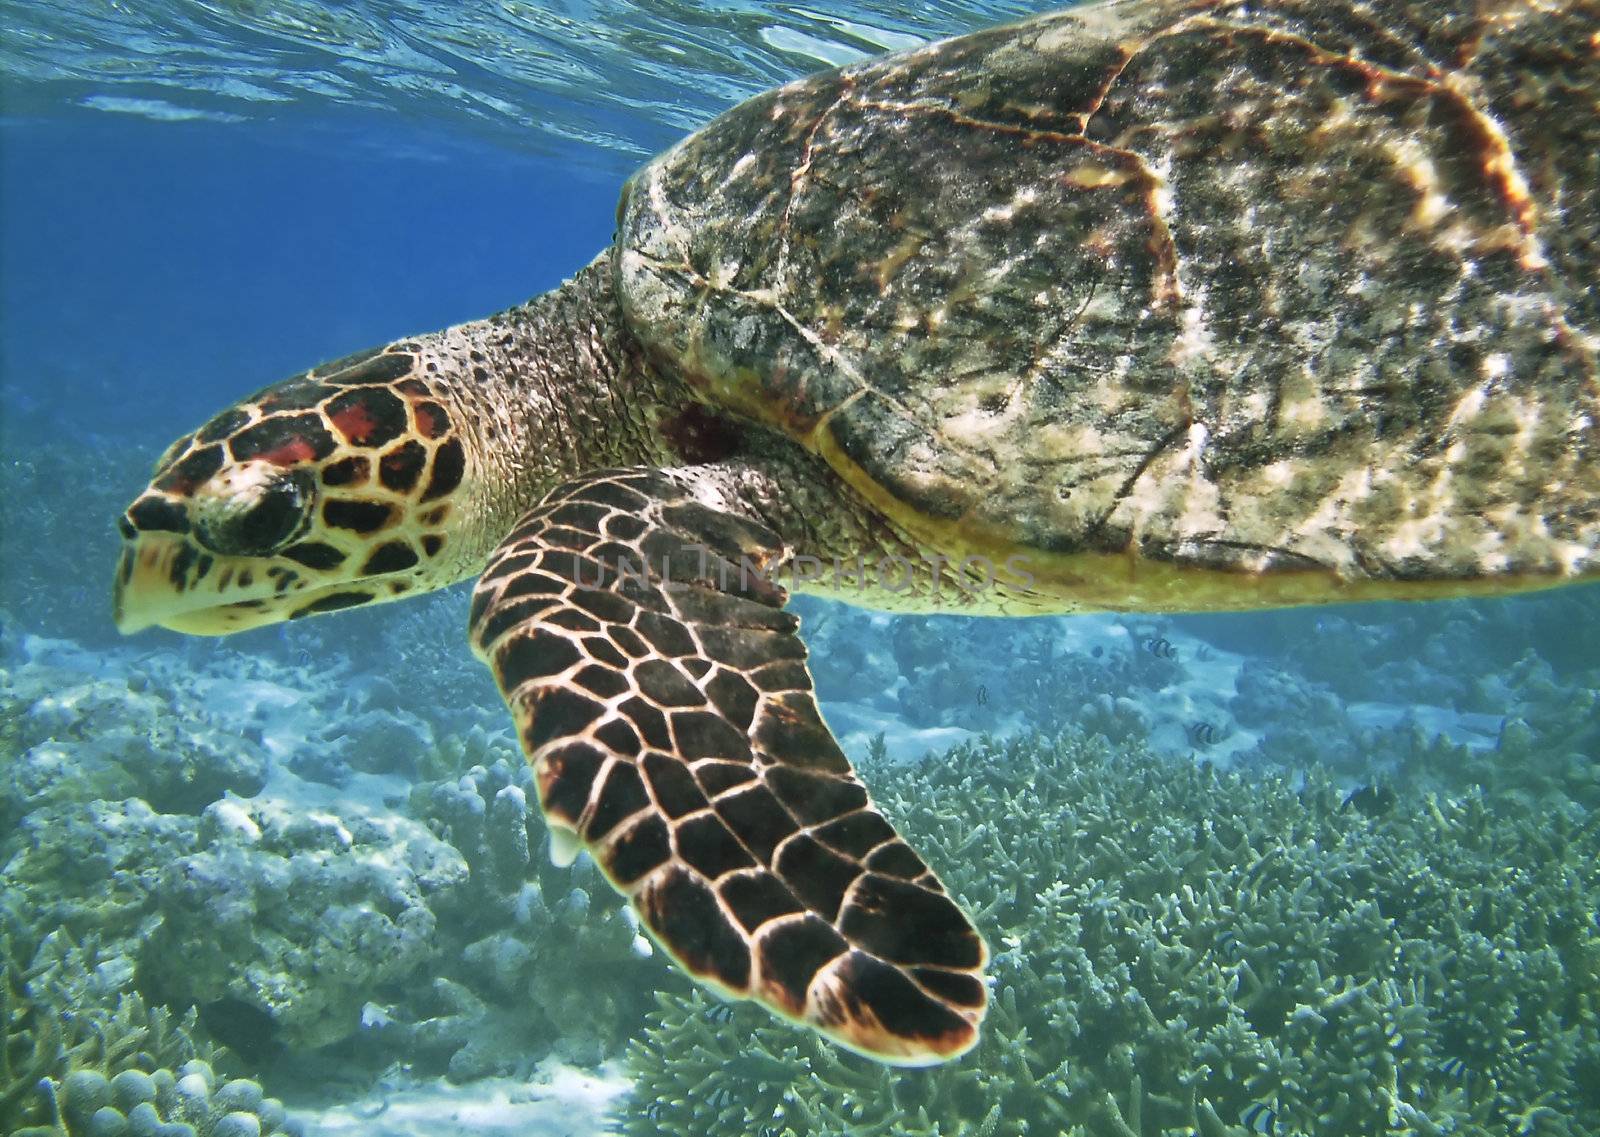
column 1259, row 1118
column 720, row 1013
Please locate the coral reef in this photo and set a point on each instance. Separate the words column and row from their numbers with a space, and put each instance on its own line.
column 1550, row 751
column 1545, row 752
column 423, row 644
column 845, row 645
column 368, row 737
column 1362, row 651
column 305, row 927
column 992, row 676
column 299, row 914
column 541, row 967
column 1451, row 695
column 1182, row 951
column 92, row 868
column 304, row 917
column 83, row 1056
column 70, row 735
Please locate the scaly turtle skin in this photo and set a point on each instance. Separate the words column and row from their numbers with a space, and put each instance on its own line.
column 1147, row 305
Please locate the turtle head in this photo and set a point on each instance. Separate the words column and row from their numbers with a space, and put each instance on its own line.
column 340, row 487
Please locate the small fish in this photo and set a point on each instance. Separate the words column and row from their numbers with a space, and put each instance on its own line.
column 1097, row 651
column 395, row 1076
column 1453, row 1068
column 720, row 1013
column 303, row 657
column 720, row 1099
column 983, row 696
column 374, row 1017
column 1229, row 946
column 1258, row 1118
column 656, row 1110
column 1203, row 734
column 1161, row 648
column 1372, row 801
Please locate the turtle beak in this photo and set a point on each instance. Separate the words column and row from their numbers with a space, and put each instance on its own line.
column 153, row 582
column 164, row 580
column 143, row 590
column 127, row 621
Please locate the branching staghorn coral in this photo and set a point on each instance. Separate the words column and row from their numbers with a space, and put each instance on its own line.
column 1177, row 951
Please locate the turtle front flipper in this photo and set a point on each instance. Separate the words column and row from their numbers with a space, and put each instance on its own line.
column 662, row 697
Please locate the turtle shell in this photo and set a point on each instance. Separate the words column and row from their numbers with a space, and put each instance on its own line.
column 1302, row 290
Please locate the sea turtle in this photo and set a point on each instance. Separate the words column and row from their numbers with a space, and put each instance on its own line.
column 1147, row 305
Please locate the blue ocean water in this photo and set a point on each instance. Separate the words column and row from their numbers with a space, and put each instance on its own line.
column 301, row 831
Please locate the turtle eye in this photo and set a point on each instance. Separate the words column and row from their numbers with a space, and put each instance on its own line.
column 260, row 518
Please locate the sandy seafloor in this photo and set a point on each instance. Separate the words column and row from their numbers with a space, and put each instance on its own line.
column 558, row 1101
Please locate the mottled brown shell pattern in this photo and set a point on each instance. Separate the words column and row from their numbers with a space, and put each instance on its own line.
column 662, row 697
column 1297, row 287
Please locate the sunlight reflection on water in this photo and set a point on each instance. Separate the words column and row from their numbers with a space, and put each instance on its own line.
column 629, row 76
